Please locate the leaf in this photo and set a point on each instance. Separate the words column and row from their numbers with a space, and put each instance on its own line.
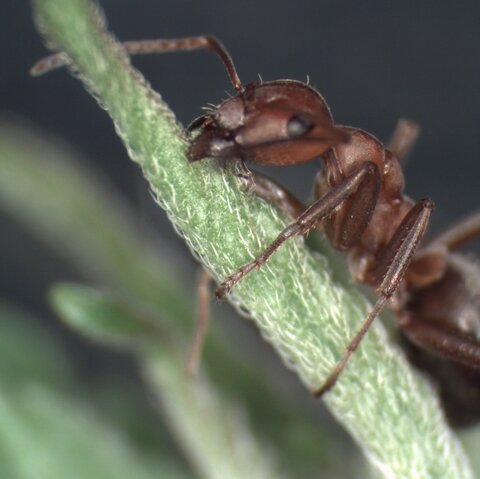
column 28, row 352
column 208, row 428
column 102, row 316
column 48, row 432
column 44, row 435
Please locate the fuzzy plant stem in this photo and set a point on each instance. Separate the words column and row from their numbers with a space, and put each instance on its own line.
column 392, row 413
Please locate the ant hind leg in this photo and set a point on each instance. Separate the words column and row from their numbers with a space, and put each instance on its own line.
column 403, row 140
column 391, row 268
column 460, row 233
column 440, row 339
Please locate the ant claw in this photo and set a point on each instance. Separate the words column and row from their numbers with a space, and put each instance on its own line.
column 222, row 291
column 225, row 287
column 324, row 389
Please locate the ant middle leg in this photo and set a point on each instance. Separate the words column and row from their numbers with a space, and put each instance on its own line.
column 318, row 211
column 202, row 321
column 390, row 270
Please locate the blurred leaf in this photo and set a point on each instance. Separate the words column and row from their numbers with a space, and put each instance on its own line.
column 89, row 311
column 83, row 219
column 103, row 317
column 45, row 432
column 213, row 435
column 45, row 435
column 28, row 352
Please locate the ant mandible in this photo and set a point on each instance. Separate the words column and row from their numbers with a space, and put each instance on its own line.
column 359, row 203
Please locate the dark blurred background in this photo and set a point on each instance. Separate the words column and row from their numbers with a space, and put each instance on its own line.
column 374, row 61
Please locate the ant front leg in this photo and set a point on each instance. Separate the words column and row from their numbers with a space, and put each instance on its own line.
column 390, row 270
column 319, row 210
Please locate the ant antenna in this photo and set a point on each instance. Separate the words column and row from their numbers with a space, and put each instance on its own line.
column 144, row 47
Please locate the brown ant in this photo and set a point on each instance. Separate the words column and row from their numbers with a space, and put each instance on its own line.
column 359, row 204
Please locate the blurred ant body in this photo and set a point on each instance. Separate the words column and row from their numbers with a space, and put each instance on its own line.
column 359, row 204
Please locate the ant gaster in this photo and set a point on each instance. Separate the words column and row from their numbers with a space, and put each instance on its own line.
column 359, row 204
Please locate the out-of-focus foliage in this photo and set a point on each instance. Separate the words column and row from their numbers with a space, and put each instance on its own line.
column 144, row 307
column 48, row 430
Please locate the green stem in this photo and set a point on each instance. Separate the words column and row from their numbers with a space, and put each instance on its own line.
column 389, row 410
column 111, row 249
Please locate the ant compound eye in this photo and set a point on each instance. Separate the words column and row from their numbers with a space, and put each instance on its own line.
column 298, row 126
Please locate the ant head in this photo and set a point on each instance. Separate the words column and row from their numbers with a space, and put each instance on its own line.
column 276, row 123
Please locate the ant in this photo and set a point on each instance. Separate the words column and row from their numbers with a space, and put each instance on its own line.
column 359, row 204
